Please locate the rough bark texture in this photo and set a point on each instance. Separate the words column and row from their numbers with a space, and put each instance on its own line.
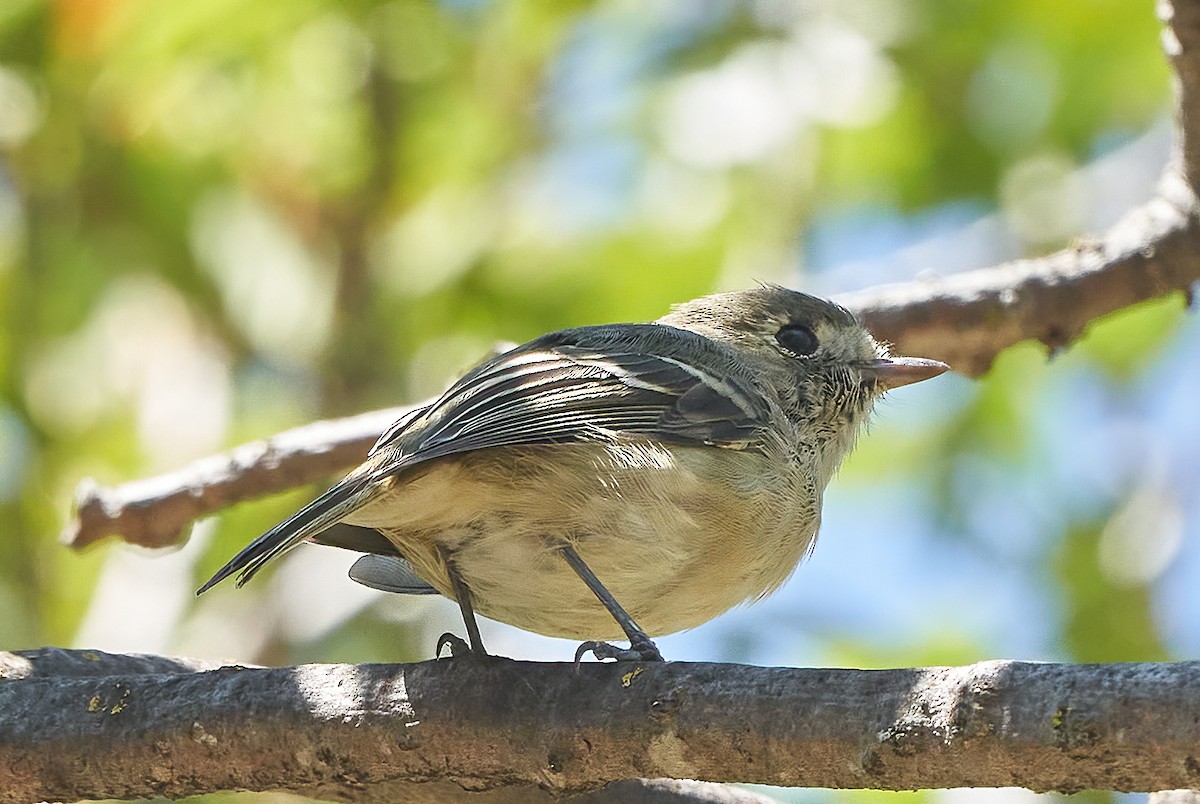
column 359, row 733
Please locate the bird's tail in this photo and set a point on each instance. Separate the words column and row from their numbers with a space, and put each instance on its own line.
column 344, row 497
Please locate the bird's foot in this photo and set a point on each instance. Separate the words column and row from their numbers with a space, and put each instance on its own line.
column 459, row 649
column 639, row 650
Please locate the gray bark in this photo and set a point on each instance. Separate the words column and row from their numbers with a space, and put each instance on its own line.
column 387, row 732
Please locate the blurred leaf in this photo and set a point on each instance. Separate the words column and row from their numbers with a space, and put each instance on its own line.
column 1127, row 341
column 1105, row 622
column 419, row 178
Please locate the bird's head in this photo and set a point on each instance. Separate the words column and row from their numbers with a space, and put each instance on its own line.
column 826, row 369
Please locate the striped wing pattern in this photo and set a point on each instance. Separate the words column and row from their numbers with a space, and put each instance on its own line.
column 587, row 384
column 565, row 392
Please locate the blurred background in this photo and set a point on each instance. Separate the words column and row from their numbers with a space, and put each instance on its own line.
column 219, row 220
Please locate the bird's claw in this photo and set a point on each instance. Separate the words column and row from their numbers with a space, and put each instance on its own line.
column 642, row 650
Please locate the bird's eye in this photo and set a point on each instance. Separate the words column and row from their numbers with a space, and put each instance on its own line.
column 797, row 339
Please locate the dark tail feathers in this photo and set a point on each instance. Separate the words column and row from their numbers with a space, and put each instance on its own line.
column 329, row 508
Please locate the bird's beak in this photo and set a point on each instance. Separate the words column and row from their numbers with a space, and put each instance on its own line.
column 896, row 371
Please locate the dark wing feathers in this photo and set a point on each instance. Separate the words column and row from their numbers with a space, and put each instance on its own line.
column 355, row 537
column 561, row 389
column 586, row 384
column 399, row 426
column 705, row 413
column 328, row 509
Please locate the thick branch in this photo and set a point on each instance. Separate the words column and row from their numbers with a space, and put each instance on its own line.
column 358, row 732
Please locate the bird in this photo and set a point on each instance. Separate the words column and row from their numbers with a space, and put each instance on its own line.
column 613, row 481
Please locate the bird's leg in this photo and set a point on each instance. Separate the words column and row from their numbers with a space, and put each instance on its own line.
column 641, row 647
column 463, row 595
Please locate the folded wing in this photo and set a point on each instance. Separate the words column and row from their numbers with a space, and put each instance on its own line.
column 587, row 384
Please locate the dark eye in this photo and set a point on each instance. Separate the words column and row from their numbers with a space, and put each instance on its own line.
column 797, row 339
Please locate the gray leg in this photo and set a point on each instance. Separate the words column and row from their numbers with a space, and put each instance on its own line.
column 641, row 647
column 463, row 595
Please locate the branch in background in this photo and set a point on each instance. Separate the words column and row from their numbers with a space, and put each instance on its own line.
column 965, row 319
column 359, row 733
column 1181, row 43
column 158, row 511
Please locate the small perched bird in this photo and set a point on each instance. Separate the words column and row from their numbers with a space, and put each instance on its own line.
column 634, row 479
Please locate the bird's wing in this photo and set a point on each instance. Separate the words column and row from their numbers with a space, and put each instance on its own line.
column 588, row 384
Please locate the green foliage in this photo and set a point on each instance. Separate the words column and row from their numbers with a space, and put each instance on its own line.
column 219, row 220
column 1125, row 343
column 1108, row 620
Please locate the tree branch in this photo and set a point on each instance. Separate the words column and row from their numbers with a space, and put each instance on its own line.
column 362, row 732
column 158, row 511
column 88, row 724
column 965, row 319
column 1181, row 43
